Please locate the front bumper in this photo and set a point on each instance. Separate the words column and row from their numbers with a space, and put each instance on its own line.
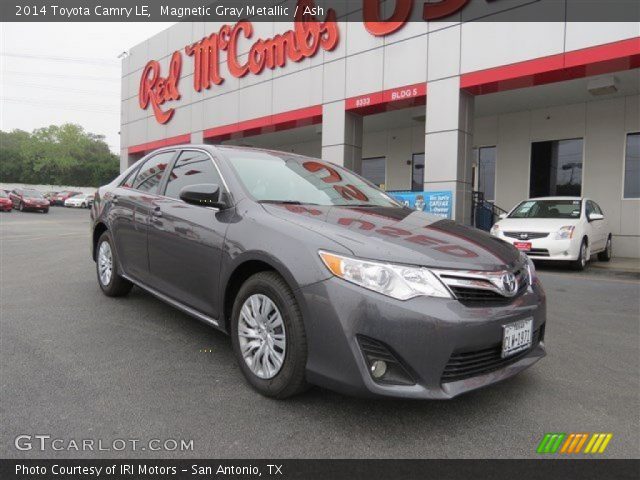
column 423, row 333
column 35, row 207
column 548, row 248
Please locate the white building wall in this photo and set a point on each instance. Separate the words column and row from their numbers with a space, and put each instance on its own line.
column 360, row 64
column 419, row 52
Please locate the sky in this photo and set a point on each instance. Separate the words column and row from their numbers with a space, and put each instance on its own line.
column 55, row 73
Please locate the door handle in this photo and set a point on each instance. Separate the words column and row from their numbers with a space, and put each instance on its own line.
column 157, row 213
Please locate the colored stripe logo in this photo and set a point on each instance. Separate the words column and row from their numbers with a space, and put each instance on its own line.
column 573, row 443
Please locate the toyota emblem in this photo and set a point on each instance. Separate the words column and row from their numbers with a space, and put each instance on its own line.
column 509, row 283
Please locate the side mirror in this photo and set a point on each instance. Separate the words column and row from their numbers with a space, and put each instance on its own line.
column 204, row 195
column 595, row 216
column 502, row 215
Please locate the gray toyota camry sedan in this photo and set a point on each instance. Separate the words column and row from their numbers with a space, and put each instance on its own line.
column 318, row 276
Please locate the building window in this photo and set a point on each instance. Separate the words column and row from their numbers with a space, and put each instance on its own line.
column 632, row 167
column 486, row 171
column 417, row 172
column 556, row 168
column 375, row 170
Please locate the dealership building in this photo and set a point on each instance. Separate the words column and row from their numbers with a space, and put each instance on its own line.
column 512, row 110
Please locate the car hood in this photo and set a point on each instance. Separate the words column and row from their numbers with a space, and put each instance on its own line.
column 547, row 225
column 402, row 235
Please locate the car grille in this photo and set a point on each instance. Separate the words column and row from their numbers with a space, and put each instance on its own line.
column 479, row 289
column 469, row 364
column 538, row 252
column 474, row 297
column 526, row 235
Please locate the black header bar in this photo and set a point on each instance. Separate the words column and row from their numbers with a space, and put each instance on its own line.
column 230, row 11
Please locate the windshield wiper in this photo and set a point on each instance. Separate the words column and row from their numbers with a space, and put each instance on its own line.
column 359, row 205
column 287, row 202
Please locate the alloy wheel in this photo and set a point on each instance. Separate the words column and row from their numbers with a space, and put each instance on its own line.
column 262, row 336
column 105, row 263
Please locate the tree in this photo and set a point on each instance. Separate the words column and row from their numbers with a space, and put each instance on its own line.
column 57, row 155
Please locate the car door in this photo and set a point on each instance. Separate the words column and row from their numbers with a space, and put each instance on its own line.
column 186, row 241
column 596, row 228
column 131, row 205
column 15, row 197
column 602, row 227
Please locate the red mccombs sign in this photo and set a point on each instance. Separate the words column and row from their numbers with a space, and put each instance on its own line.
column 305, row 40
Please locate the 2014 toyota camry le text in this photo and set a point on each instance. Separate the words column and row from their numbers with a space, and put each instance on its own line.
column 319, row 277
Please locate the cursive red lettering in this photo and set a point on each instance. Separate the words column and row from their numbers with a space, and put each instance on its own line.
column 378, row 27
column 156, row 90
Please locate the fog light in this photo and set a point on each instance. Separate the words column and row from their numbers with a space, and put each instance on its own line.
column 378, row 369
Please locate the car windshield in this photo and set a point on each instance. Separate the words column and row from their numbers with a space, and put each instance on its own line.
column 548, row 209
column 32, row 194
column 272, row 177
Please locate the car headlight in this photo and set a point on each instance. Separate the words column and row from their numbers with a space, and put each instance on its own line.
column 565, row 232
column 531, row 269
column 397, row 281
column 495, row 230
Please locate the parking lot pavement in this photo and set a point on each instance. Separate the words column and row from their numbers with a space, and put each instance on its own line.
column 75, row 364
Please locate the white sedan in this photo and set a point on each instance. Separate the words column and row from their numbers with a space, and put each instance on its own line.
column 81, row 200
column 557, row 228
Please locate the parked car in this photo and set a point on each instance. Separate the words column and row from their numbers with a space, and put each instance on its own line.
column 82, row 200
column 5, row 202
column 49, row 196
column 60, row 197
column 568, row 229
column 28, row 199
column 318, row 276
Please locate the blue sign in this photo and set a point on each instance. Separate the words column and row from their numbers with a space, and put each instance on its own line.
column 436, row 203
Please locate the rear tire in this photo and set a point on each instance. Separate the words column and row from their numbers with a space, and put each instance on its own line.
column 111, row 282
column 607, row 253
column 289, row 378
column 583, row 257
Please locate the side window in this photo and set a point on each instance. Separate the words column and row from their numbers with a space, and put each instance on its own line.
column 597, row 208
column 128, row 181
column 150, row 173
column 191, row 168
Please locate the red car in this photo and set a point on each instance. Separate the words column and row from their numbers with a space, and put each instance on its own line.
column 25, row 199
column 60, row 197
column 5, row 202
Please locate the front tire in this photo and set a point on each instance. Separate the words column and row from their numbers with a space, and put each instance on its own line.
column 607, row 253
column 583, row 257
column 111, row 282
column 268, row 336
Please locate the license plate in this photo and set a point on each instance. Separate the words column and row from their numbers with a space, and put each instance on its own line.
column 524, row 246
column 516, row 337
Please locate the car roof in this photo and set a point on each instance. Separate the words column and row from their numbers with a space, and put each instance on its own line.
column 558, row 198
column 214, row 147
